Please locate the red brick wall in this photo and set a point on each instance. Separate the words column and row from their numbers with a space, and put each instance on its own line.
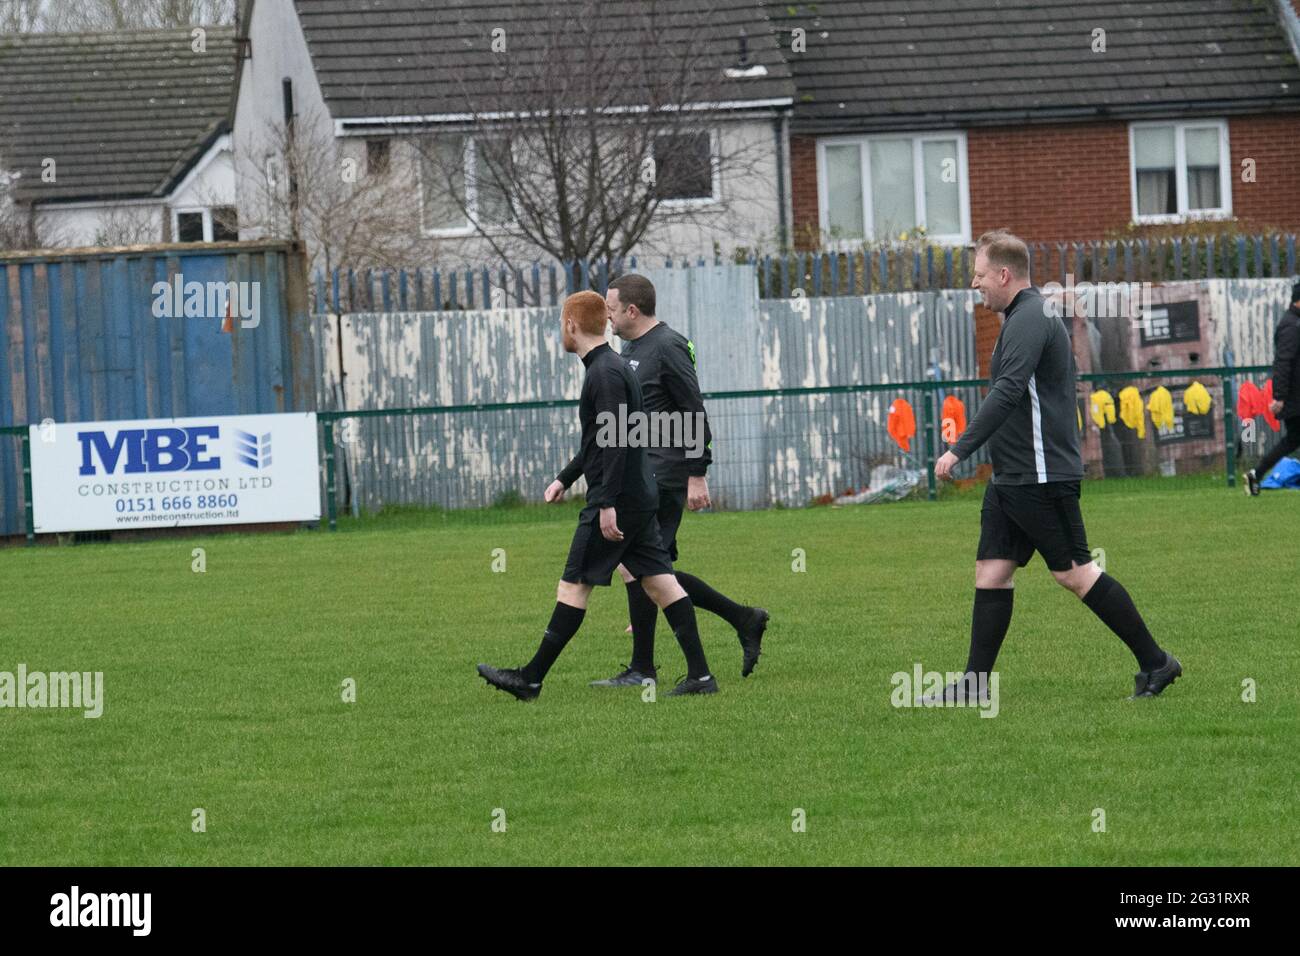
column 987, row 327
column 1068, row 182
column 1045, row 183
column 803, row 191
column 1274, row 143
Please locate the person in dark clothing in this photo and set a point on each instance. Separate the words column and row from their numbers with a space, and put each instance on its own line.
column 1286, row 392
column 618, row 525
column 664, row 363
column 1029, row 421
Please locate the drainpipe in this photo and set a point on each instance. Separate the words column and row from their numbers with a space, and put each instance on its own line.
column 781, row 128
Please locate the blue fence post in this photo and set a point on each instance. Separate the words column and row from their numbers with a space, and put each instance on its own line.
column 817, row 273
column 1241, row 257
column 437, row 289
column 1290, row 255
column 1209, row 257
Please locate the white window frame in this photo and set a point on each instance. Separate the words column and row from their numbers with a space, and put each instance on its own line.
column 715, row 169
column 468, row 160
column 177, row 212
column 918, row 184
column 1180, row 171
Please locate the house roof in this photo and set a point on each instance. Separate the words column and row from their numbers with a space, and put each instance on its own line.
column 388, row 58
column 123, row 115
column 916, row 64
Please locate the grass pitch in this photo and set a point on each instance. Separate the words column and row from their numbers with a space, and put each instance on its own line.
column 223, row 691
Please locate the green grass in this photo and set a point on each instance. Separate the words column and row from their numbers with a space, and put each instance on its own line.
column 223, row 692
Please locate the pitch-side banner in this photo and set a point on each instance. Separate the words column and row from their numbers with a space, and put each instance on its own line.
column 165, row 473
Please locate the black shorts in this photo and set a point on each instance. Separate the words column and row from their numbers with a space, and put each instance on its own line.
column 593, row 558
column 1018, row 520
column 672, row 502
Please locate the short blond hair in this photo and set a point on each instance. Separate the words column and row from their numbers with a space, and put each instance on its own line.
column 587, row 310
column 1003, row 250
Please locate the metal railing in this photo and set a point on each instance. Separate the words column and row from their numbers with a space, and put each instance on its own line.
column 863, row 270
column 927, row 431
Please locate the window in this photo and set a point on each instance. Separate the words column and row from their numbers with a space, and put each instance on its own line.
column 225, row 224
column 376, row 156
column 189, row 227
column 217, row 224
column 1179, row 170
column 880, row 187
column 685, row 167
column 459, row 184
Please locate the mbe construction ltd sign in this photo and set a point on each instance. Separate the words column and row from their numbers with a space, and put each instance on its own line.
column 166, row 473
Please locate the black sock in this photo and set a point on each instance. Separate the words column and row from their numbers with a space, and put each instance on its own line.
column 990, row 619
column 565, row 621
column 1110, row 602
column 681, row 618
column 705, row 598
column 642, row 612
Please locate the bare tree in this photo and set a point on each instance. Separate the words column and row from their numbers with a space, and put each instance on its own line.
column 579, row 138
column 17, row 224
column 128, row 226
column 348, row 210
column 93, row 16
column 99, row 16
column 21, row 16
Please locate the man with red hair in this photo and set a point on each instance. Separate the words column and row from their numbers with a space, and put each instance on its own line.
column 619, row 524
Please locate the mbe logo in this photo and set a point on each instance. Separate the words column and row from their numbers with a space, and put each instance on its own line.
column 159, row 450
column 252, row 451
column 149, row 450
